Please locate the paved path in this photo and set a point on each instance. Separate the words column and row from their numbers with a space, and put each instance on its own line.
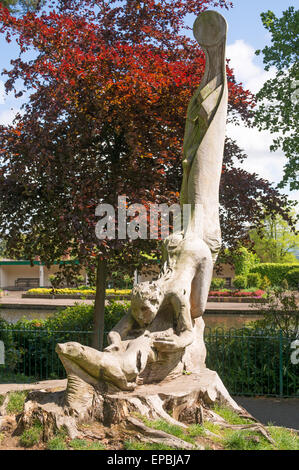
column 278, row 411
column 46, row 384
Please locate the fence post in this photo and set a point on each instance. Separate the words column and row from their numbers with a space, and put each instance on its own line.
column 280, row 364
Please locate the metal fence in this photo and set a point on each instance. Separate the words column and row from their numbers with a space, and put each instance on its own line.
column 249, row 362
column 253, row 362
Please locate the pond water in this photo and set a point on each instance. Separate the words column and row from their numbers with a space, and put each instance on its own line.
column 12, row 315
column 227, row 321
column 224, row 320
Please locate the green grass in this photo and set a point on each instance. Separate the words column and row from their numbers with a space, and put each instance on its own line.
column 134, row 445
column 16, row 402
column 230, row 416
column 176, row 431
column 2, row 398
column 213, row 427
column 285, row 439
column 31, row 436
column 196, row 430
column 81, row 444
column 56, row 443
column 246, row 440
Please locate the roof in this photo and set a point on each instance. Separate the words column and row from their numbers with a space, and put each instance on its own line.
column 11, row 262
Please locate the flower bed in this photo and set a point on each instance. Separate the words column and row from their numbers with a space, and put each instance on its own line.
column 238, row 293
column 226, row 295
column 223, row 295
column 69, row 293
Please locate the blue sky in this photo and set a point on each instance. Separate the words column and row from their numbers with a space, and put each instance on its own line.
column 245, row 34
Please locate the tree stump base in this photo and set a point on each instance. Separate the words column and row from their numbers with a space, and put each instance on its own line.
column 182, row 401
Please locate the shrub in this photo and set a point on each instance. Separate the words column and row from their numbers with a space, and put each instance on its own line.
column 240, row 282
column 293, row 278
column 279, row 312
column 37, row 338
column 247, row 360
column 217, row 283
column 265, row 283
column 244, row 261
column 284, row 284
column 275, row 272
column 254, row 280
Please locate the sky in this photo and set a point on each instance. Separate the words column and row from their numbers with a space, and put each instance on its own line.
column 245, row 34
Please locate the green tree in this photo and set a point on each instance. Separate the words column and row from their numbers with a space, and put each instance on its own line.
column 244, row 260
column 2, row 248
column 22, row 6
column 278, row 99
column 275, row 241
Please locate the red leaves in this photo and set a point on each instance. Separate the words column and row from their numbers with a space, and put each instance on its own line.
column 106, row 117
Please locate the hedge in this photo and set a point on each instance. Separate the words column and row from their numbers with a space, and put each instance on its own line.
column 292, row 278
column 217, row 283
column 275, row 272
column 30, row 344
column 240, row 282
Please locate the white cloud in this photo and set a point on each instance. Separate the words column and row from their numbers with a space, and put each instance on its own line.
column 268, row 165
column 243, row 61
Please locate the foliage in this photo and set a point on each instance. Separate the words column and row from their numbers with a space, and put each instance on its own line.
column 68, row 277
column 136, row 445
column 111, row 89
column 250, row 360
column 82, row 444
column 240, row 281
column 280, row 311
column 16, row 402
column 2, row 248
column 229, row 415
column 284, row 438
column 31, row 436
column 244, row 260
column 275, row 272
column 13, row 353
column 292, row 277
column 228, row 438
column 265, row 283
column 173, row 429
column 284, row 284
column 22, row 6
column 240, row 440
column 275, row 240
column 254, row 280
column 32, row 343
column 217, row 283
column 278, row 98
column 109, row 85
column 56, row 443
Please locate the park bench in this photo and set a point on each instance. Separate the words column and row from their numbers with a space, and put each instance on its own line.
column 27, row 282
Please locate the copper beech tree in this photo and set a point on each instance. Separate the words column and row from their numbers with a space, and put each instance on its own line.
column 109, row 86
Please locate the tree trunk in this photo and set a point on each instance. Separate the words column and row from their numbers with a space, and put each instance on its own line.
column 99, row 305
